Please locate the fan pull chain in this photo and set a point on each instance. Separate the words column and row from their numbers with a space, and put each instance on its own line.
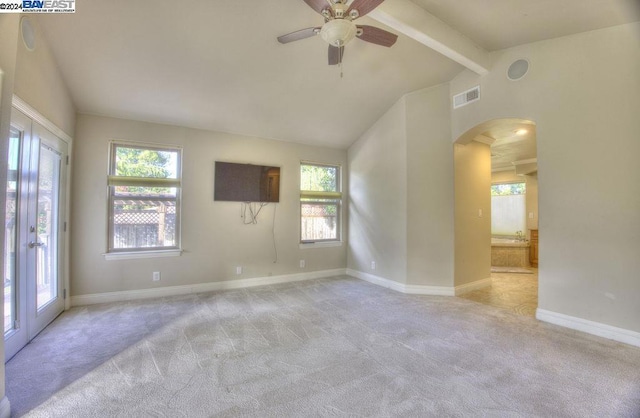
column 341, row 55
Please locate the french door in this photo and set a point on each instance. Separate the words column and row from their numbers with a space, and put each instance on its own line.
column 34, row 231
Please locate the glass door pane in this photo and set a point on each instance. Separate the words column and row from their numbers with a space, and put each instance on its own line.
column 34, row 234
column 15, row 236
column 11, row 231
column 47, row 226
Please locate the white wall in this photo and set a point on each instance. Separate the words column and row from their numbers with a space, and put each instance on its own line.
column 472, row 229
column 378, row 198
column 214, row 238
column 430, row 194
column 583, row 93
column 39, row 83
column 401, row 209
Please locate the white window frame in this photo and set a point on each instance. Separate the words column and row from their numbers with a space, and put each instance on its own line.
column 323, row 198
column 114, row 180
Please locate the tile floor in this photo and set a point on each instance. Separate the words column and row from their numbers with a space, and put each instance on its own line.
column 514, row 292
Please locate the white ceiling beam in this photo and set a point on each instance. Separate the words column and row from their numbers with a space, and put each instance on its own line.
column 415, row 22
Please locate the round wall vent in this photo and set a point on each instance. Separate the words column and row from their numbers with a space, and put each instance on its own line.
column 28, row 33
column 518, row 69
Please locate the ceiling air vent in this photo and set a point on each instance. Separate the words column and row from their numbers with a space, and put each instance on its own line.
column 466, row 97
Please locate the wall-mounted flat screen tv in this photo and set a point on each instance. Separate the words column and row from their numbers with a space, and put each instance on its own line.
column 246, row 183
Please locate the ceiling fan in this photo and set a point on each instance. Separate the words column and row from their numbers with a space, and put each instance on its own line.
column 339, row 29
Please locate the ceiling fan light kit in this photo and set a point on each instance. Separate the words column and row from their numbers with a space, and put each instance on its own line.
column 339, row 29
column 338, row 32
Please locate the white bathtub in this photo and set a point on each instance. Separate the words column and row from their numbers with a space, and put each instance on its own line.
column 508, row 242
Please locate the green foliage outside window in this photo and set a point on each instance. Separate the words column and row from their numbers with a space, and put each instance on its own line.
column 135, row 162
column 144, row 198
column 317, row 207
column 149, row 163
column 318, row 178
column 506, row 189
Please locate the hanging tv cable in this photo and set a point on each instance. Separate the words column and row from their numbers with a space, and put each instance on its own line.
column 254, row 209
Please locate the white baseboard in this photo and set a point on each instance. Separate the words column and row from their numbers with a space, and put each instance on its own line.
column 579, row 324
column 126, row 295
column 470, row 287
column 5, row 408
column 401, row 287
column 590, row 327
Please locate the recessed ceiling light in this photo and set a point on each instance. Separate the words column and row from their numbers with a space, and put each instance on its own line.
column 521, row 132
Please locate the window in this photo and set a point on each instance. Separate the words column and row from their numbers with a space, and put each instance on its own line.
column 144, row 197
column 508, row 209
column 320, row 202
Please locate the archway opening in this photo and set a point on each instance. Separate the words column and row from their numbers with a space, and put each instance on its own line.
column 496, row 215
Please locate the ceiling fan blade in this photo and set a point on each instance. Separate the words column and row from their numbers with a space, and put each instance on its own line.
column 318, row 5
column 297, row 35
column 364, row 6
column 377, row 36
column 335, row 55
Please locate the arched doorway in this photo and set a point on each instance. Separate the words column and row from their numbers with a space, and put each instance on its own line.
column 496, row 215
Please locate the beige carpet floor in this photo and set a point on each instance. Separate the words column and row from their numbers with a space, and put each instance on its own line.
column 331, row 347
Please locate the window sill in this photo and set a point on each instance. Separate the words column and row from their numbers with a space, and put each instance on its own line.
column 321, row 244
column 142, row 254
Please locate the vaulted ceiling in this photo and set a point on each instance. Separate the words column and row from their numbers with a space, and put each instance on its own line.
column 217, row 65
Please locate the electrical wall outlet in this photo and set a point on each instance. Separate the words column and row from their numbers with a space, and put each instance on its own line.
column 156, row 276
column 373, row 265
column 239, row 270
column 302, row 264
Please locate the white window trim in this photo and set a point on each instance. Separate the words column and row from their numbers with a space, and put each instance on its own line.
column 338, row 195
column 125, row 254
column 320, row 244
column 142, row 254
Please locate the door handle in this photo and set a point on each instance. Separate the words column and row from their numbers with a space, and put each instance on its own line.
column 35, row 244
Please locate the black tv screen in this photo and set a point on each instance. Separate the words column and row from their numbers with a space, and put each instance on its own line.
column 246, row 183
